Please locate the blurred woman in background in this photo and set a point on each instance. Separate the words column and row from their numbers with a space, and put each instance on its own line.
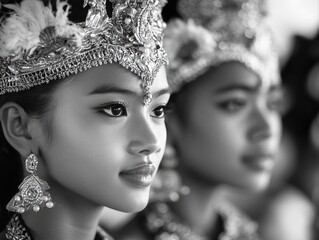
column 225, row 127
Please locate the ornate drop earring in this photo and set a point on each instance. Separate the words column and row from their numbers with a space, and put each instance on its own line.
column 33, row 191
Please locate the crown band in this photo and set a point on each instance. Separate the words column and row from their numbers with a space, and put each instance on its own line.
column 132, row 37
column 216, row 32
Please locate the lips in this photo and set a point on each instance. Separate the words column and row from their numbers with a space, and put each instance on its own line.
column 259, row 161
column 140, row 176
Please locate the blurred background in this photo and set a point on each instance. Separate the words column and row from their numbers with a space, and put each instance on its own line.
column 288, row 209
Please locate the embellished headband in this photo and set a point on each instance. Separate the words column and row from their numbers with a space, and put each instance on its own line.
column 215, row 32
column 38, row 45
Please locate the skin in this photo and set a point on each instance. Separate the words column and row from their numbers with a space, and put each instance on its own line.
column 228, row 116
column 219, row 120
column 100, row 128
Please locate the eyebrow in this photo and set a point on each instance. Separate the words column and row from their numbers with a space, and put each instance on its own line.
column 276, row 87
column 247, row 88
column 238, row 87
column 105, row 89
column 161, row 92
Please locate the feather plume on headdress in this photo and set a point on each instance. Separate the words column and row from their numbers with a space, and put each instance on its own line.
column 213, row 32
column 21, row 32
column 186, row 41
column 39, row 44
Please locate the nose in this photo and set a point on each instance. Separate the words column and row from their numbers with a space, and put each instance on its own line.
column 144, row 138
column 262, row 123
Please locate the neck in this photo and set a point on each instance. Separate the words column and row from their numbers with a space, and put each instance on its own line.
column 201, row 205
column 72, row 218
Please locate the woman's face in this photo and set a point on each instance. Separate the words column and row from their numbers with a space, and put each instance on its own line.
column 105, row 145
column 229, row 128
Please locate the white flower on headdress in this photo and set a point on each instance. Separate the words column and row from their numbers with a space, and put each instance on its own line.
column 185, row 42
column 20, row 33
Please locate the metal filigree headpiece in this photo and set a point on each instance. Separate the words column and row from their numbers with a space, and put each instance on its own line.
column 218, row 31
column 38, row 45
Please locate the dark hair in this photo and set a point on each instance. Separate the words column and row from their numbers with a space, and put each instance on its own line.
column 37, row 102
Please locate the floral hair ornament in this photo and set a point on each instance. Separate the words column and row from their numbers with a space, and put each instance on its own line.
column 215, row 32
column 38, row 45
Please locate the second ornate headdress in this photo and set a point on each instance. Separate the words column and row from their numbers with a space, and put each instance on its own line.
column 218, row 31
column 38, row 45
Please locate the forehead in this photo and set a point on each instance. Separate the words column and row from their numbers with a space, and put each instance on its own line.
column 234, row 73
column 114, row 75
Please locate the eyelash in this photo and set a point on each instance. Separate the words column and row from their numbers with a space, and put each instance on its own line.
column 235, row 104
column 122, row 106
column 109, row 106
column 275, row 104
column 232, row 105
column 164, row 108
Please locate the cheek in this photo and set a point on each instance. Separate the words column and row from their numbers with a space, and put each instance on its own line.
column 277, row 128
column 161, row 135
column 85, row 155
column 212, row 143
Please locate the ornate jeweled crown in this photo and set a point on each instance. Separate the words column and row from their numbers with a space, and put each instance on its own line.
column 38, row 45
column 218, row 31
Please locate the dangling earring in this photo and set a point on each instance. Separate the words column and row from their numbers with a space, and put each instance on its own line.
column 33, row 191
column 167, row 185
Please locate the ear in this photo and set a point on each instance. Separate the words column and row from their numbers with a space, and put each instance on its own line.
column 15, row 124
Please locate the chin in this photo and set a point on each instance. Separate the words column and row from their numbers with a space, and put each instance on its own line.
column 137, row 207
column 257, row 183
column 133, row 202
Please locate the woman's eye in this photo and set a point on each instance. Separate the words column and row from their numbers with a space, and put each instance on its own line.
column 159, row 112
column 276, row 101
column 233, row 105
column 115, row 110
column 275, row 105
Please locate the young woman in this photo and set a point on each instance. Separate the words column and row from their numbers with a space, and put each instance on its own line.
column 225, row 128
column 82, row 115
